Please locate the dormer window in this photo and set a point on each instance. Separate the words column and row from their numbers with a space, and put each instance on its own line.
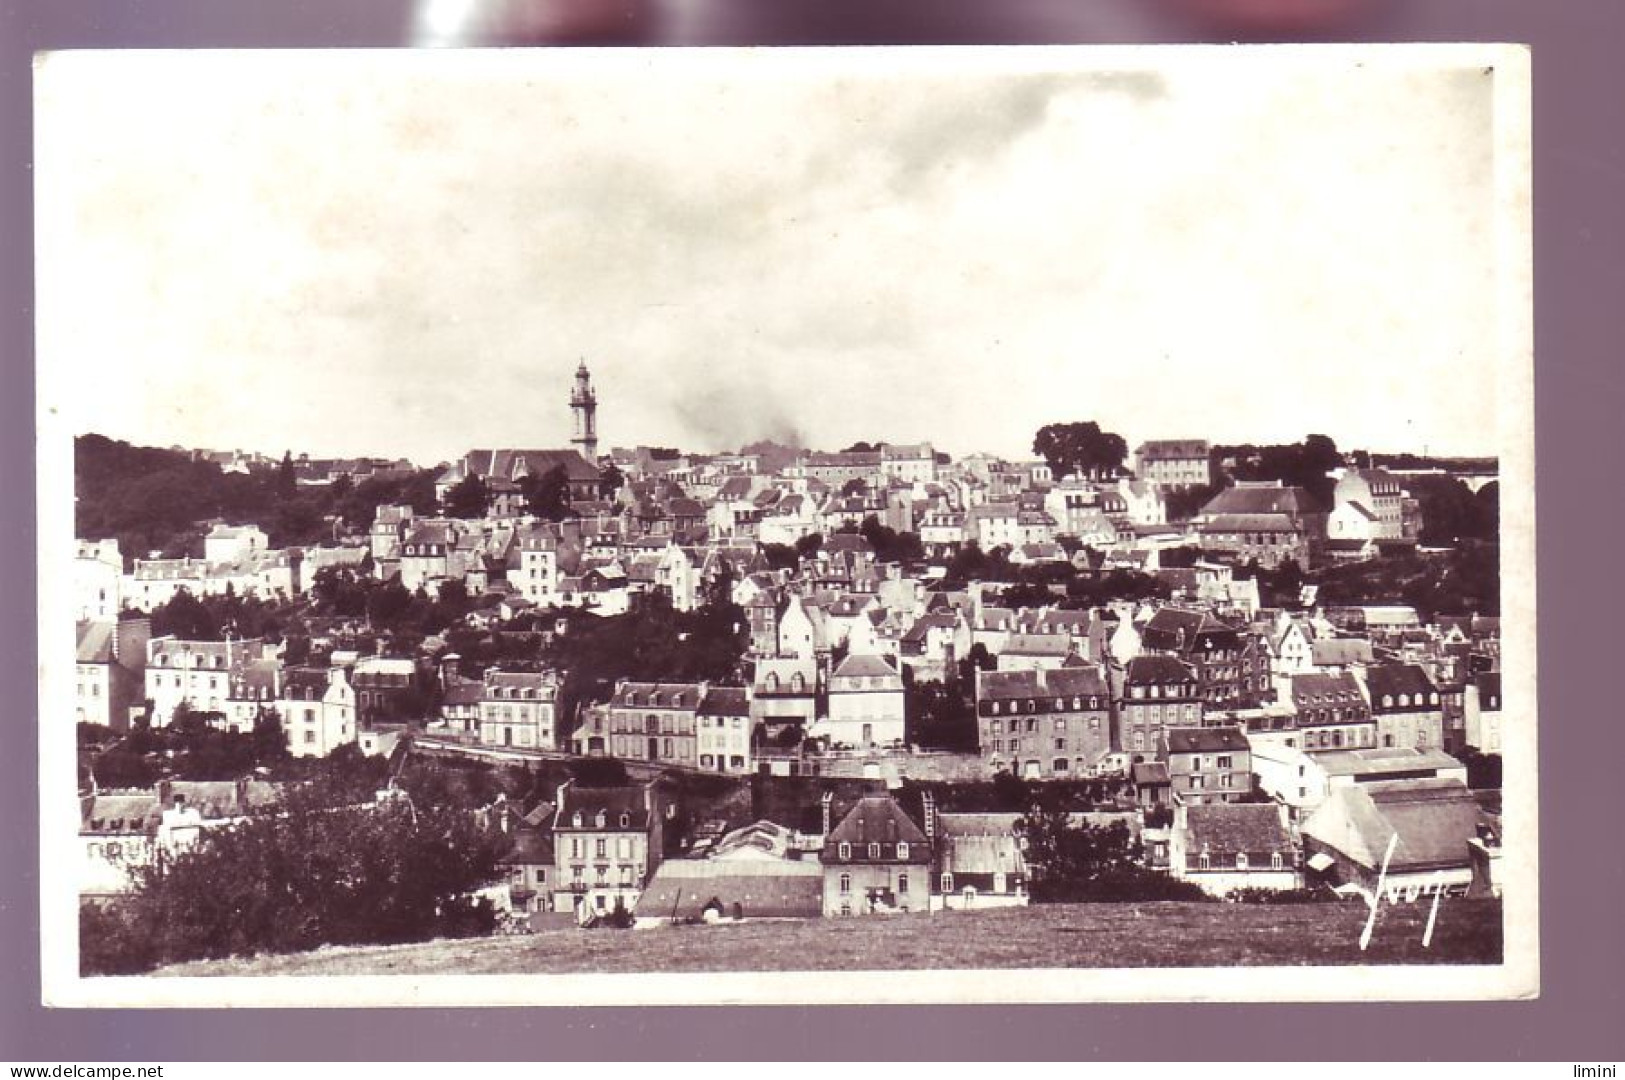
column 1241, row 860
column 844, row 851
column 874, row 851
column 902, row 850
column 626, row 820
column 576, row 821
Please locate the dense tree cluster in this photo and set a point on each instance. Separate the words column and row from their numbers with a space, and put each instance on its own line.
column 1452, row 513
column 316, row 870
column 939, row 716
column 1080, row 449
column 1461, row 581
column 1304, row 464
column 650, row 642
column 1080, row 862
column 212, row 618
column 889, row 544
column 153, row 500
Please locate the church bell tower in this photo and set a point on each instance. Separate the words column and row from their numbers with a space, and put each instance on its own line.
column 584, row 410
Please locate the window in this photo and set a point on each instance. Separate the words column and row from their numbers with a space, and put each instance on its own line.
column 1059, row 765
column 947, row 881
column 626, row 819
column 874, row 851
column 846, row 883
column 1202, row 861
column 576, row 820
column 1224, row 761
column 844, row 851
column 1241, row 860
column 600, row 848
column 902, row 850
column 1275, row 858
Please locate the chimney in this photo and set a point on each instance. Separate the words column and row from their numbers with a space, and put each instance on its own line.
column 242, row 794
column 827, row 801
column 165, row 789
column 929, row 801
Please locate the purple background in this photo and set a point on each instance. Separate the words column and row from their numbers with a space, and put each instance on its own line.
column 1580, row 291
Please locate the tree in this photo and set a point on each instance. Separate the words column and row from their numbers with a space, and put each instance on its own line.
column 1084, row 862
column 287, row 482
column 855, row 486
column 779, row 556
column 862, row 448
column 469, row 498
column 184, row 616
column 610, row 481
column 890, row 545
column 548, row 495
column 1080, row 449
column 808, row 546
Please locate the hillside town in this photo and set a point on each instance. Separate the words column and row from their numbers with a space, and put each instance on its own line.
column 792, row 683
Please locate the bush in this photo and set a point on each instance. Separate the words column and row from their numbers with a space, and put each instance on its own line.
column 111, row 942
column 1254, row 895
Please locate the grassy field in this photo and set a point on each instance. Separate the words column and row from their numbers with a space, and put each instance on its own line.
column 1062, row 935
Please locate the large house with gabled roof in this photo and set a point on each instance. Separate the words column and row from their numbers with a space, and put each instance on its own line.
column 876, row 860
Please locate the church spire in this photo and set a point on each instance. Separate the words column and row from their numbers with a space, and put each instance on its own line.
column 584, row 413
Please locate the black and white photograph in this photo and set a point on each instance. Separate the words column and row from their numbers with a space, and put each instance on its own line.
column 798, row 525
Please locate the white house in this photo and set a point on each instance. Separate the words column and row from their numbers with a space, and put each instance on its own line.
column 865, row 703
column 318, row 710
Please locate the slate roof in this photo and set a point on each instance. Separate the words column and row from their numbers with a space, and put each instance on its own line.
column 1157, row 669
column 613, row 801
column 1058, row 682
column 1392, row 680
column 1037, row 645
column 512, row 464
column 1205, row 740
column 1247, row 499
column 642, row 695
column 1172, row 449
column 859, row 665
column 782, row 889
column 1228, row 828
column 133, row 812
column 876, row 819
column 530, row 847
column 726, row 701
column 1320, row 689
column 1149, row 774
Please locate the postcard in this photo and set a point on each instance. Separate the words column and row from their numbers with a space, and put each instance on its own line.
column 619, row 526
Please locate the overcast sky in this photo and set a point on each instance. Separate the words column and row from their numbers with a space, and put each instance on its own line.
column 402, row 254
